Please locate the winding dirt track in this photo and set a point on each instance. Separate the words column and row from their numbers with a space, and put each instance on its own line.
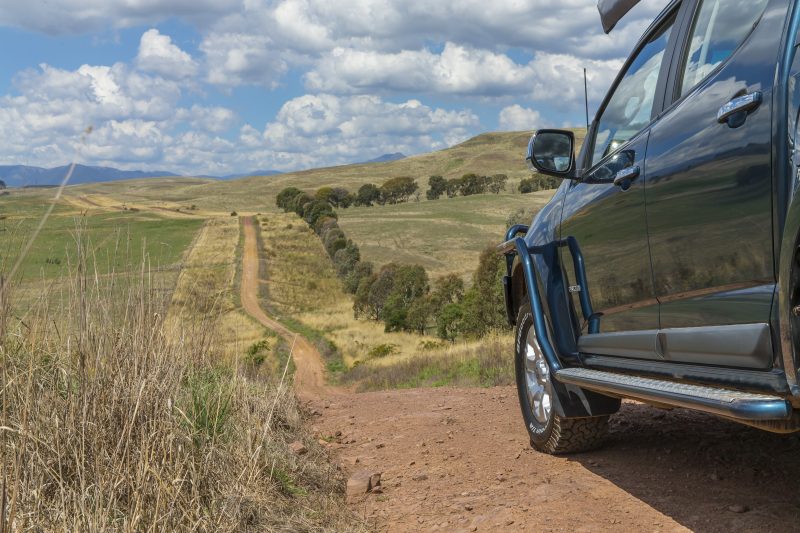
column 309, row 377
column 459, row 460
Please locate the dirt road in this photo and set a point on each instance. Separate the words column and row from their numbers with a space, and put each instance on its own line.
column 459, row 460
column 309, row 377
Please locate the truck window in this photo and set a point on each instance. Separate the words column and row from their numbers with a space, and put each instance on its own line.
column 719, row 27
column 631, row 104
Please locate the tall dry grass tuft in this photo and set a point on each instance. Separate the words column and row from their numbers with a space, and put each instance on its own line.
column 113, row 420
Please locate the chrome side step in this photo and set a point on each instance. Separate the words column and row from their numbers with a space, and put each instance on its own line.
column 723, row 402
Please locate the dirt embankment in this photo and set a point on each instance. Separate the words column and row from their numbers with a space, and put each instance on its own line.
column 459, row 459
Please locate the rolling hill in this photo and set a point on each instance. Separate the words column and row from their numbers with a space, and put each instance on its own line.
column 488, row 153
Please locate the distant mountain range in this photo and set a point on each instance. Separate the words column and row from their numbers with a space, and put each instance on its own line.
column 28, row 176
column 385, row 158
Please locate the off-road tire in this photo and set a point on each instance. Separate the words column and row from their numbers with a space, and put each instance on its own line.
column 559, row 435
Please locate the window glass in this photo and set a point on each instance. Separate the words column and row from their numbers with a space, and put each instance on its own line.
column 719, row 27
column 629, row 108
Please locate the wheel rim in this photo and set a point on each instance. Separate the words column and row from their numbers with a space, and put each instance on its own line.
column 537, row 377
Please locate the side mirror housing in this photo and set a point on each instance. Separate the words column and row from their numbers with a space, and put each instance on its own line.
column 552, row 152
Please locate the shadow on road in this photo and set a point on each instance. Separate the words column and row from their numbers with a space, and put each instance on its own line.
column 708, row 474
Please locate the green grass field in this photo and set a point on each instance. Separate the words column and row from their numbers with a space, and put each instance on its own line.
column 115, row 241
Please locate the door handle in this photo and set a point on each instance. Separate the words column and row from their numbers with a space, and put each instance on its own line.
column 735, row 112
column 624, row 177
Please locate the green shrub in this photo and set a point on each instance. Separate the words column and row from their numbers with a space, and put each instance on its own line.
column 382, row 350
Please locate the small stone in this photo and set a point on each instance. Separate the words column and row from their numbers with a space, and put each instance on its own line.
column 379, row 445
column 714, row 477
column 298, row 448
column 738, row 508
column 360, row 483
column 375, row 480
column 419, row 477
column 468, row 507
column 377, row 490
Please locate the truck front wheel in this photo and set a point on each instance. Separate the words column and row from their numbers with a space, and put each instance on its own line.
column 549, row 432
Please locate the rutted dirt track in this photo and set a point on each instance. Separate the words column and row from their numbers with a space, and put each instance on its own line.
column 459, row 460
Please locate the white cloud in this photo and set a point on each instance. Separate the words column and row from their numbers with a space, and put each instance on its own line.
column 138, row 122
column 235, row 59
column 326, row 129
column 59, row 17
column 461, row 71
column 135, row 118
column 209, row 119
column 158, row 54
column 359, row 59
column 518, row 118
column 457, row 70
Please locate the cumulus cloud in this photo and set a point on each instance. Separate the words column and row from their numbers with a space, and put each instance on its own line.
column 158, row 54
column 138, row 122
column 518, row 118
column 461, row 71
column 59, row 17
column 359, row 61
column 329, row 129
column 236, row 59
column 135, row 118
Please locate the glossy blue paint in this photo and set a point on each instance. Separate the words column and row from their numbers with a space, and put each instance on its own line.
column 707, row 234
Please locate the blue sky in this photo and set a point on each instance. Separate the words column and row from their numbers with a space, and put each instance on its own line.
column 227, row 86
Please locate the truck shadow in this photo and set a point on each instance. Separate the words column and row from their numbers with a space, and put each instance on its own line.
column 708, row 474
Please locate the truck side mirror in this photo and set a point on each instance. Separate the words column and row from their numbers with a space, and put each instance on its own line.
column 551, row 152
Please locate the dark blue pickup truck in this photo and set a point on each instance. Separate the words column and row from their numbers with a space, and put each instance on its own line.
column 666, row 266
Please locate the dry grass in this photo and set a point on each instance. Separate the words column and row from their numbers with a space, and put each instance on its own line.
column 445, row 236
column 115, row 419
column 485, row 363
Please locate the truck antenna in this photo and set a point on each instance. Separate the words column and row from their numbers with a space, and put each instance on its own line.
column 586, row 98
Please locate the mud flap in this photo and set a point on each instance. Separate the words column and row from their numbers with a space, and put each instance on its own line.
column 571, row 401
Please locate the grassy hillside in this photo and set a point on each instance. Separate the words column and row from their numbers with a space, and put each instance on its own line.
column 445, row 236
column 489, row 153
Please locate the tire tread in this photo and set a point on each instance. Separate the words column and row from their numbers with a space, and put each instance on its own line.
column 573, row 435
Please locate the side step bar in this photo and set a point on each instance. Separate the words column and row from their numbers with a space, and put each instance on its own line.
column 739, row 405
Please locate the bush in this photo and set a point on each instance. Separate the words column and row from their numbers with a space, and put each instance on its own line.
column 367, row 195
column 397, row 190
column 361, row 270
column 437, row 186
column 284, row 198
column 382, row 350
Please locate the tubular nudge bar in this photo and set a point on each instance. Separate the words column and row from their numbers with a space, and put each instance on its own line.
column 535, row 300
column 516, row 246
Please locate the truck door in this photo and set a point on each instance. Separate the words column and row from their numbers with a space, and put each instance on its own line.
column 709, row 186
column 605, row 211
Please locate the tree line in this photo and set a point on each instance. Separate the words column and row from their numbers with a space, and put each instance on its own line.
column 402, row 296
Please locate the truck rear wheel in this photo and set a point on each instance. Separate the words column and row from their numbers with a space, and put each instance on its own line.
column 549, row 432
